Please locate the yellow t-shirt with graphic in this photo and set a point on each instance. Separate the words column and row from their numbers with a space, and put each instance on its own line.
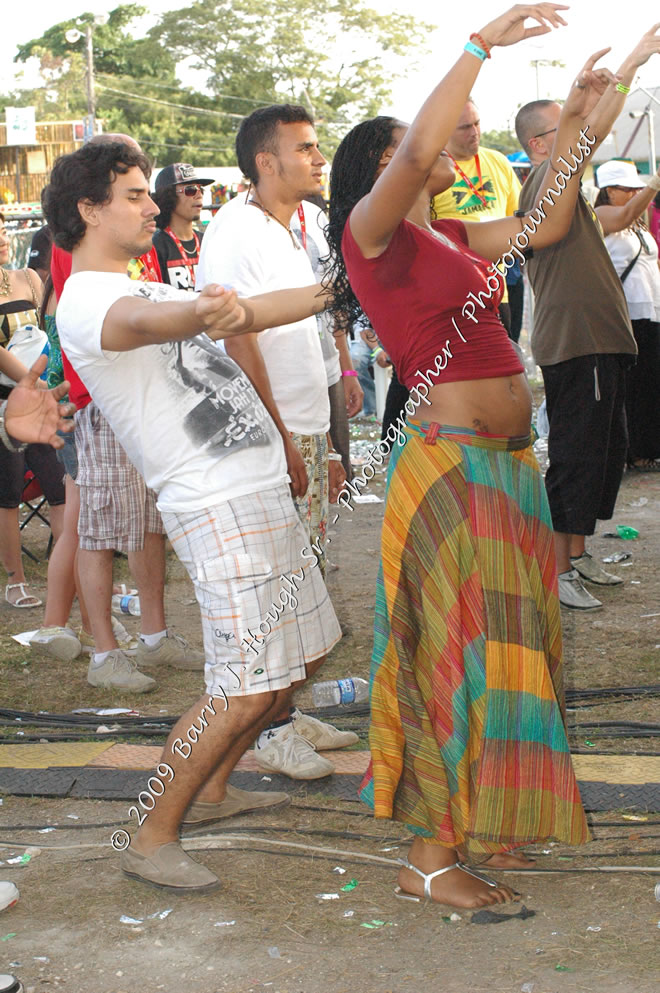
column 499, row 187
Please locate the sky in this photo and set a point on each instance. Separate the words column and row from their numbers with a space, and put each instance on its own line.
column 506, row 81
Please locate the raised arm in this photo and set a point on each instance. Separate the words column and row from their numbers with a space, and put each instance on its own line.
column 551, row 218
column 378, row 214
column 619, row 218
column 610, row 105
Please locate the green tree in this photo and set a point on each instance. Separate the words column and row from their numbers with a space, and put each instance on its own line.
column 502, row 141
column 137, row 91
column 337, row 59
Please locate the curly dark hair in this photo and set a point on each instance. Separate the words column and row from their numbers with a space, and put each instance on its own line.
column 165, row 200
column 87, row 174
column 352, row 176
column 258, row 133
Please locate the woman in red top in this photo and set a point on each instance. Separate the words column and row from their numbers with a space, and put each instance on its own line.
column 467, row 738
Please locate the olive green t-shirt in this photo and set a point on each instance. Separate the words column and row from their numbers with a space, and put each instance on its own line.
column 579, row 305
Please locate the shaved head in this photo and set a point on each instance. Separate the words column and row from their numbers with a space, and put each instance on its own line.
column 533, row 119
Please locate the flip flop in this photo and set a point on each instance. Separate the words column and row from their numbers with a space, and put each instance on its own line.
column 20, row 602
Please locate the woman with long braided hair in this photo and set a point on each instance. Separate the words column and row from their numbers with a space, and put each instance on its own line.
column 467, row 737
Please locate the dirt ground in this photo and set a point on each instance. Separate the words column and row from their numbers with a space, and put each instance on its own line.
column 266, row 930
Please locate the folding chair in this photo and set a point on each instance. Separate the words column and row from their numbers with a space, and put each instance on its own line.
column 34, row 501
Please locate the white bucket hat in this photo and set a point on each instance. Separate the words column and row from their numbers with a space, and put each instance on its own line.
column 616, row 173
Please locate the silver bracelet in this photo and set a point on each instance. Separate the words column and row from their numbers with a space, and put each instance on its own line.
column 653, row 182
column 7, row 441
column 334, row 457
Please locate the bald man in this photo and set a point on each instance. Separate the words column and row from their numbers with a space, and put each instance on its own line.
column 583, row 342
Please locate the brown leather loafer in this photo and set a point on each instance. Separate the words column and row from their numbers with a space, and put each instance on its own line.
column 168, row 867
column 237, row 801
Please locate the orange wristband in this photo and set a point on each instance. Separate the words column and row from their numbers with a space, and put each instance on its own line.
column 482, row 44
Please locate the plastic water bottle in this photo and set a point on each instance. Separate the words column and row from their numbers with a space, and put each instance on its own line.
column 126, row 604
column 337, row 691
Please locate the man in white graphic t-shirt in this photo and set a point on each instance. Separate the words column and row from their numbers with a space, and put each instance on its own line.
column 194, row 427
column 250, row 245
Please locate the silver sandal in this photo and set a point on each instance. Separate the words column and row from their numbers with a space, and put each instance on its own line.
column 429, row 877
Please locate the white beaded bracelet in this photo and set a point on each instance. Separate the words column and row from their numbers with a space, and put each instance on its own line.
column 334, row 457
column 653, row 182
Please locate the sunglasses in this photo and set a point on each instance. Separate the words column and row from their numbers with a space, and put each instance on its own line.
column 191, row 191
column 543, row 133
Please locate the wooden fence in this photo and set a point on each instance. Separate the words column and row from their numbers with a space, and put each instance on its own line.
column 24, row 169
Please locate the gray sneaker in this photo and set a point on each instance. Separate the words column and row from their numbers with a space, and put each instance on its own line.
column 573, row 594
column 591, row 570
column 173, row 650
column 56, row 642
column 119, row 672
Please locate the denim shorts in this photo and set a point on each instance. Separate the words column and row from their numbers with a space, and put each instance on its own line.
column 68, row 455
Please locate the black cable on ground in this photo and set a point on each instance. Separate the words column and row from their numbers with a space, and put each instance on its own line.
column 160, row 725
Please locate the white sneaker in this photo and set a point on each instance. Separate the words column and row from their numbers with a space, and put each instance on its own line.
column 589, row 569
column 8, row 895
column 292, row 755
column 119, row 672
column 56, row 642
column 573, row 594
column 319, row 734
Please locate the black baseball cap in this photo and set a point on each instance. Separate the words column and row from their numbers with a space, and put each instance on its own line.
column 179, row 172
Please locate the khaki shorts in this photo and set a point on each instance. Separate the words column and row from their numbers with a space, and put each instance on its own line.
column 116, row 508
column 265, row 610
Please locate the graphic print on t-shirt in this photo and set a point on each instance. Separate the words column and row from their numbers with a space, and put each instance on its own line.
column 467, row 200
column 221, row 412
column 177, row 269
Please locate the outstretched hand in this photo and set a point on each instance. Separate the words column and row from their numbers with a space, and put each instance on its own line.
column 589, row 86
column 509, row 28
column 648, row 45
column 33, row 414
column 220, row 313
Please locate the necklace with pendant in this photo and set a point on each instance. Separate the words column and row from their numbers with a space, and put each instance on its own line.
column 269, row 213
column 5, row 288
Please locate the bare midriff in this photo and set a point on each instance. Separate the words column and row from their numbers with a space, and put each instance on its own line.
column 500, row 406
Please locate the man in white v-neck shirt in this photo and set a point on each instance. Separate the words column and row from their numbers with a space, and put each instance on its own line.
column 250, row 245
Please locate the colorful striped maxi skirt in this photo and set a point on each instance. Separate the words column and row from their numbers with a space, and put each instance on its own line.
column 467, row 737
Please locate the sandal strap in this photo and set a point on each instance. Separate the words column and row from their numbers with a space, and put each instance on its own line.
column 430, row 876
column 477, row 875
column 24, row 596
